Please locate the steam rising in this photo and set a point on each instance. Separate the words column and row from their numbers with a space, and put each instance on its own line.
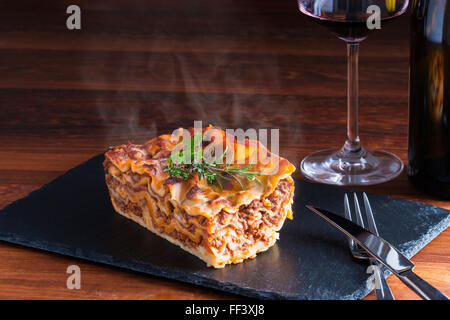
column 205, row 61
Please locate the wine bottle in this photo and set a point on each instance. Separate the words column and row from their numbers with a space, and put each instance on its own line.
column 429, row 100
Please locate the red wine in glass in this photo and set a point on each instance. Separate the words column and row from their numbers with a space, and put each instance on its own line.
column 352, row 21
column 348, row 19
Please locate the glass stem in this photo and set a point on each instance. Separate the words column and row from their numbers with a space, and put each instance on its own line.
column 352, row 146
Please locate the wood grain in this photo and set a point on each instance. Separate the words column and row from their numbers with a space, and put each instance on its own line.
column 141, row 68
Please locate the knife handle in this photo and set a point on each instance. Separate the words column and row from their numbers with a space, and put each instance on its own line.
column 421, row 287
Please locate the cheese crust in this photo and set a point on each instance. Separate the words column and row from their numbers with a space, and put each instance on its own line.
column 218, row 224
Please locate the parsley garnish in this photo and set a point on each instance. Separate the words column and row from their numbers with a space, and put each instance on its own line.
column 214, row 171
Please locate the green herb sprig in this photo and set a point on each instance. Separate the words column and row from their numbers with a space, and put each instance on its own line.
column 215, row 171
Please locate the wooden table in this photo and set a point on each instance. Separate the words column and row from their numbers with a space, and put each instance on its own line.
column 141, row 68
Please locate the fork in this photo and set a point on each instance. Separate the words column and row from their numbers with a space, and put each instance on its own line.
column 382, row 290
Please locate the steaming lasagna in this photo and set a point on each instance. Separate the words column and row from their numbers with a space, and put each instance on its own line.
column 220, row 224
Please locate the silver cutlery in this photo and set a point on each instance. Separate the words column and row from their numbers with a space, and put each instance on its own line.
column 382, row 290
column 384, row 252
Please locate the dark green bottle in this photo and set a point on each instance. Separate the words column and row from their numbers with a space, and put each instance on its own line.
column 429, row 101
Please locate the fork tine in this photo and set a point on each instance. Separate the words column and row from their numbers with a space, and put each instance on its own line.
column 370, row 219
column 348, row 215
column 384, row 292
column 359, row 219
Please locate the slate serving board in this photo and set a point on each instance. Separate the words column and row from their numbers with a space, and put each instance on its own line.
column 72, row 215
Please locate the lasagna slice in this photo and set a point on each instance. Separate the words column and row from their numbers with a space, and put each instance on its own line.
column 220, row 223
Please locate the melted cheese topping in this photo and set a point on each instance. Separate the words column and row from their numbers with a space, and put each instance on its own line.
column 198, row 197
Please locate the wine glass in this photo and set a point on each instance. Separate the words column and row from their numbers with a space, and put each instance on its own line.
column 352, row 21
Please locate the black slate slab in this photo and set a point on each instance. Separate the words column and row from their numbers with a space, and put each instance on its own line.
column 73, row 216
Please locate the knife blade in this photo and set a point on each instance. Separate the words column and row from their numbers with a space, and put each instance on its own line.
column 384, row 252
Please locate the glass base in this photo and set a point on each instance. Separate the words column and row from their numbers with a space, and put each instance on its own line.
column 366, row 167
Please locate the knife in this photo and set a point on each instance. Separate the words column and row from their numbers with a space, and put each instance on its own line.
column 384, row 252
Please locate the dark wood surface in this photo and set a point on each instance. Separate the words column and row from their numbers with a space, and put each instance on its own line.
column 137, row 69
